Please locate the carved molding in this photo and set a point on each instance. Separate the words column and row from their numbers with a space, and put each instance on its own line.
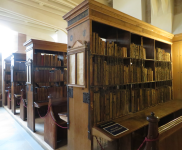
column 22, row 19
column 104, row 14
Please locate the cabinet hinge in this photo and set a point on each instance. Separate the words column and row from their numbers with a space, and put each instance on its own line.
column 70, row 92
column 86, row 98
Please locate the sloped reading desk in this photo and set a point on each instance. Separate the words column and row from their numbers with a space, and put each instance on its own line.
column 138, row 120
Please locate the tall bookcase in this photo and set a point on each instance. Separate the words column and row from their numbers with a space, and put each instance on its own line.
column 18, row 77
column 6, row 78
column 46, row 64
column 119, row 68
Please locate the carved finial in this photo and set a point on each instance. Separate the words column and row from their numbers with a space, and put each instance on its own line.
column 152, row 114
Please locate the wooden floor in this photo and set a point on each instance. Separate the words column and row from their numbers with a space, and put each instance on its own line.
column 39, row 127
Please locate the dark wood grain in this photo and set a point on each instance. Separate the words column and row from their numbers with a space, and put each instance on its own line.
column 33, row 47
column 53, row 133
column 23, row 109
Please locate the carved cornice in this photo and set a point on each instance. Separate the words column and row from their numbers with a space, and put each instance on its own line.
column 104, row 14
column 177, row 37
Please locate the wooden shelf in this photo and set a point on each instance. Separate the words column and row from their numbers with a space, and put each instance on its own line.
column 19, row 70
column 129, row 83
column 50, row 66
column 49, row 82
column 138, row 120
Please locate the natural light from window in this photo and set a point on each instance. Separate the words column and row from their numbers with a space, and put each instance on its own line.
column 8, row 41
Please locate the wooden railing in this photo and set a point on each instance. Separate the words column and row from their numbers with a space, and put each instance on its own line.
column 166, row 137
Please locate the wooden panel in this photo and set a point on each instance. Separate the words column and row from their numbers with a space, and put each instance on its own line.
column 180, row 67
column 176, row 68
column 46, row 45
column 13, row 101
column 78, row 122
column 30, row 109
column 78, row 111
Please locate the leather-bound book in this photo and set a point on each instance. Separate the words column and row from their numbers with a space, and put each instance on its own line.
column 104, row 48
column 93, row 42
column 96, row 43
column 118, row 106
column 114, row 105
column 111, row 105
column 95, row 71
column 56, row 60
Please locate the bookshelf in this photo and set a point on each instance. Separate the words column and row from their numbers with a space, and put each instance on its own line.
column 7, row 80
column 46, row 65
column 18, row 78
column 126, row 71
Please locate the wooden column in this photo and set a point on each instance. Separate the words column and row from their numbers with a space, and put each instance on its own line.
column 152, row 133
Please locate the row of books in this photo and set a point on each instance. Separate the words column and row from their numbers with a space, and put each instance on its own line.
column 19, row 66
column 162, row 74
column 109, row 105
column 102, row 47
column 7, row 66
column 137, row 74
column 7, row 77
column 114, row 73
column 42, row 59
column 19, row 76
column 137, row 51
column 146, row 97
column 49, row 76
column 161, row 55
column 55, row 92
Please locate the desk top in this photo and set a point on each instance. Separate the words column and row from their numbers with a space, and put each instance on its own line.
column 135, row 121
column 63, row 116
column 17, row 95
column 40, row 104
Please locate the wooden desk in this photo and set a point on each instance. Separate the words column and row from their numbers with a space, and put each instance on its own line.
column 17, row 96
column 40, row 104
column 138, row 120
column 63, row 116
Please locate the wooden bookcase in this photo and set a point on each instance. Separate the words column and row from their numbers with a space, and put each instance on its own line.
column 18, row 78
column 7, row 79
column 46, row 64
column 107, row 93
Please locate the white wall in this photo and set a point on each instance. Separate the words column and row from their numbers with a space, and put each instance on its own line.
column 177, row 24
column 130, row 7
column 163, row 20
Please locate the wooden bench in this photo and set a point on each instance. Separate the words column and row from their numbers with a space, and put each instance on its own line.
column 53, row 133
column 15, row 102
column 6, row 97
column 23, row 105
column 9, row 97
